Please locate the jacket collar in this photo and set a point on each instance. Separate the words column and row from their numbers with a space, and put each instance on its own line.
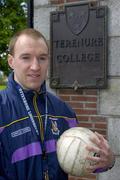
column 12, row 84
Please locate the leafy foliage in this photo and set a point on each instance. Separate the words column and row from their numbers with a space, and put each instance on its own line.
column 12, row 19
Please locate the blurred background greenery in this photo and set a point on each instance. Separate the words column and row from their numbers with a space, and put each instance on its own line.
column 13, row 17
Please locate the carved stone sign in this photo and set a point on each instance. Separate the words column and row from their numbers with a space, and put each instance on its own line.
column 78, row 37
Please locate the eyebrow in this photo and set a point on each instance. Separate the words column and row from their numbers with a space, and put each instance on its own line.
column 44, row 54
column 25, row 54
column 28, row 54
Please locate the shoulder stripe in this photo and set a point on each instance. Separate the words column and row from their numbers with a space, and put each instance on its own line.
column 26, row 152
column 33, row 149
column 7, row 125
column 50, row 146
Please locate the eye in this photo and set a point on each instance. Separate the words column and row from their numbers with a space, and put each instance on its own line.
column 26, row 58
column 43, row 58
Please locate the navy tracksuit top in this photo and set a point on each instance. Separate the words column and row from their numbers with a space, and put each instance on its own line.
column 21, row 150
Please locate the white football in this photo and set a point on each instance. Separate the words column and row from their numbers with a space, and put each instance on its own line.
column 72, row 152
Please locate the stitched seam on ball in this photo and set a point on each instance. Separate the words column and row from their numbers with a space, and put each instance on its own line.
column 77, row 138
column 72, row 169
column 67, row 153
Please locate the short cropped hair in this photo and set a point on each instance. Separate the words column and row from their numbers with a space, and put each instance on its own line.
column 29, row 32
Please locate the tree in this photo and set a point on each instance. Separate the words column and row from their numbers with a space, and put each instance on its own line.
column 13, row 17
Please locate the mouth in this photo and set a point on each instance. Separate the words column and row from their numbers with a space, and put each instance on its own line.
column 34, row 75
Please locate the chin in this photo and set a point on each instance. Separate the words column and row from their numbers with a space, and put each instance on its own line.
column 35, row 88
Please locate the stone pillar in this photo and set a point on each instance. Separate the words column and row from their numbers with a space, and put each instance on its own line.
column 41, row 21
column 110, row 97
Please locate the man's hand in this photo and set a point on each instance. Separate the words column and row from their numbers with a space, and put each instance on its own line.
column 104, row 158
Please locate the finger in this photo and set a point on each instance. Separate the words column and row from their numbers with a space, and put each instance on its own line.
column 94, row 167
column 93, row 149
column 93, row 159
column 95, row 140
column 101, row 138
column 96, row 154
column 97, row 159
column 102, row 142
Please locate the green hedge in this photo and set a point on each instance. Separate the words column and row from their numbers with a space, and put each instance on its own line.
column 2, row 87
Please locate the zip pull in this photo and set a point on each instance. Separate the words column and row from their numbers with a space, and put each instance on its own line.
column 44, row 155
column 46, row 176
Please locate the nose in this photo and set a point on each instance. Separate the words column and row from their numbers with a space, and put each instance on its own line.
column 35, row 64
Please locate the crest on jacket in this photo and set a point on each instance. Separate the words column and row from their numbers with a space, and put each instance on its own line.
column 54, row 128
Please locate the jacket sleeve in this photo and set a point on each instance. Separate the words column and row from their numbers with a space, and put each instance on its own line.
column 2, row 174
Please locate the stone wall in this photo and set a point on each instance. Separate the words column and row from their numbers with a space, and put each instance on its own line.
column 96, row 109
column 110, row 98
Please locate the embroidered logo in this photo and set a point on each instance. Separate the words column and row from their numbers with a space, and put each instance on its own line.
column 55, row 129
column 20, row 132
column 53, row 118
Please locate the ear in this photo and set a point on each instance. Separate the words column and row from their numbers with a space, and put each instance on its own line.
column 11, row 61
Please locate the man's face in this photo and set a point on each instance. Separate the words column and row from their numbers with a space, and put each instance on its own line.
column 30, row 62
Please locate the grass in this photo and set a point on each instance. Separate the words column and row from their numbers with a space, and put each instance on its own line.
column 2, row 87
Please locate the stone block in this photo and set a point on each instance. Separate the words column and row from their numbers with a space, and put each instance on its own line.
column 114, row 56
column 42, row 20
column 114, row 134
column 40, row 2
column 113, row 17
column 110, row 98
column 113, row 174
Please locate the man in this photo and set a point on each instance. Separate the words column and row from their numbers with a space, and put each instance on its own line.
column 32, row 119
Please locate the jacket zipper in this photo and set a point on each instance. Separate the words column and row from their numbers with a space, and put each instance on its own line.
column 39, row 117
column 46, row 176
